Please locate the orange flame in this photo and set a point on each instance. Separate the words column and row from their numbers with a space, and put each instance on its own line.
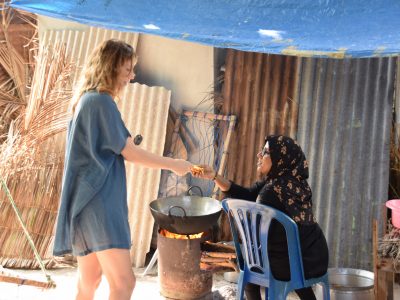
column 176, row 236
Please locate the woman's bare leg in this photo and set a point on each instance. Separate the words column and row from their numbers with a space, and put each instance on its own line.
column 89, row 272
column 117, row 267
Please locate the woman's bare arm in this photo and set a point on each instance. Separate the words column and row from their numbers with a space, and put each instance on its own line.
column 137, row 155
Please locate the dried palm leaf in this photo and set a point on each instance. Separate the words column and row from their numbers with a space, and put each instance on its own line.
column 53, row 72
column 15, row 69
column 31, row 160
column 10, row 59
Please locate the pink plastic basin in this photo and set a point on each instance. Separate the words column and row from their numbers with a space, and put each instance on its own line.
column 394, row 205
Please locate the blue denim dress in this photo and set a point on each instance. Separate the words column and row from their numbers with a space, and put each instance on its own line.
column 93, row 214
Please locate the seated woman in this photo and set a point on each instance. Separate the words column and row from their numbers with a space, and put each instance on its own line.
column 283, row 171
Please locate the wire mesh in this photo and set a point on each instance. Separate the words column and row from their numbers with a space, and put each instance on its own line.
column 203, row 139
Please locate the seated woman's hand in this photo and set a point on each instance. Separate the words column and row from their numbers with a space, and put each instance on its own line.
column 202, row 171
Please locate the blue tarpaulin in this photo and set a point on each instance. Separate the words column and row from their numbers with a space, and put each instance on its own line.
column 346, row 28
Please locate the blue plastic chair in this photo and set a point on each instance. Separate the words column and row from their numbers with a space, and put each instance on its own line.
column 252, row 221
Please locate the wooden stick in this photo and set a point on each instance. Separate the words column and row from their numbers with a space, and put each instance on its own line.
column 184, row 135
column 383, row 271
column 22, row 281
column 219, row 247
column 205, row 115
column 214, row 267
column 232, row 122
column 213, row 259
column 175, row 136
column 219, row 261
column 375, row 257
column 220, row 255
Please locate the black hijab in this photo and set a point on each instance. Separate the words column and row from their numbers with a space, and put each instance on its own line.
column 288, row 178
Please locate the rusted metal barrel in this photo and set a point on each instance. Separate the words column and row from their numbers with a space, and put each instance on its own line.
column 180, row 276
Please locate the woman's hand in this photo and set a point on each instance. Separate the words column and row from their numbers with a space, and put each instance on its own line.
column 180, row 167
column 203, row 171
column 207, row 172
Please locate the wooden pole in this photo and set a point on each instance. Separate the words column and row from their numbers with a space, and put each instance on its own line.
column 186, row 138
column 375, row 256
column 175, row 136
column 383, row 276
column 232, row 123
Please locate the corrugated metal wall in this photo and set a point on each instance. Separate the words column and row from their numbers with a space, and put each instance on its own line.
column 340, row 111
column 145, row 111
column 261, row 90
column 81, row 43
column 344, row 127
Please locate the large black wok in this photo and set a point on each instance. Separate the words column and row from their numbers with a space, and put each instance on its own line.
column 186, row 214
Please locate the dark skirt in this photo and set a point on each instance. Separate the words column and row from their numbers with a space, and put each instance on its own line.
column 313, row 247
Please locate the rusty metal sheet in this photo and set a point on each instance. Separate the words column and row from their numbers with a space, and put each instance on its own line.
column 344, row 128
column 340, row 112
column 260, row 89
column 180, row 276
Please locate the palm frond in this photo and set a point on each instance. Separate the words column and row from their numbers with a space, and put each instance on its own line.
column 31, row 156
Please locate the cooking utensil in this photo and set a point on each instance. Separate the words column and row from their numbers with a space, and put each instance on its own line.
column 186, row 214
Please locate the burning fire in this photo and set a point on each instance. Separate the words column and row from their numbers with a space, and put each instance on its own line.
column 176, row 236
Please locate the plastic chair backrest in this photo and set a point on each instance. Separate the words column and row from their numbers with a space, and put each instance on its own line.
column 250, row 221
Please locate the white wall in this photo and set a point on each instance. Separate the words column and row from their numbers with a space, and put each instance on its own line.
column 45, row 23
column 185, row 68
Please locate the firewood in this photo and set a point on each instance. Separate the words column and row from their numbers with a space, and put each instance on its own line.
column 220, row 254
column 219, row 267
column 217, row 247
column 213, row 259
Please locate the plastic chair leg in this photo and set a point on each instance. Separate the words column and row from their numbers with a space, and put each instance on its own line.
column 241, row 285
column 266, row 293
column 277, row 290
column 327, row 295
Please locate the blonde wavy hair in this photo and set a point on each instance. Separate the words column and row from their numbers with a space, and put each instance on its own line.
column 101, row 71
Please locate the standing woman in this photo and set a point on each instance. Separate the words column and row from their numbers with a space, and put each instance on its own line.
column 282, row 169
column 93, row 216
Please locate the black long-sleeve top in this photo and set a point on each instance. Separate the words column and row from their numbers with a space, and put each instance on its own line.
column 313, row 244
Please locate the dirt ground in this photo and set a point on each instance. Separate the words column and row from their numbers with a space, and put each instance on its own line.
column 146, row 287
